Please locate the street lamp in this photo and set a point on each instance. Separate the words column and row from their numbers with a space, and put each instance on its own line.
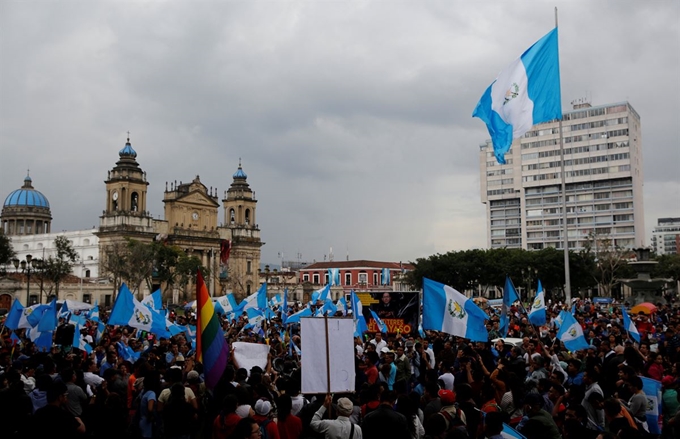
column 25, row 268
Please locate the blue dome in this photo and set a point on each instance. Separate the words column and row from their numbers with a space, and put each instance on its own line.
column 127, row 150
column 239, row 173
column 26, row 196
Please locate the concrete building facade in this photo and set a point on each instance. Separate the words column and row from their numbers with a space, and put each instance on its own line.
column 604, row 181
column 666, row 236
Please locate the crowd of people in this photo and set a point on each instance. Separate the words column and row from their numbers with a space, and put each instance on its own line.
column 410, row 386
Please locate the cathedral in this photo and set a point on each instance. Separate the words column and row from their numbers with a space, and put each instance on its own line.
column 230, row 250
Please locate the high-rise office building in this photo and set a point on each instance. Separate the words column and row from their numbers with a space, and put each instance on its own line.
column 666, row 236
column 603, row 172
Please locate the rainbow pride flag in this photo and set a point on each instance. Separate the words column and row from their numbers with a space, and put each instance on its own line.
column 211, row 347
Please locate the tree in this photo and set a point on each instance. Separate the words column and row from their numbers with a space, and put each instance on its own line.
column 611, row 262
column 7, row 252
column 668, row 267
column 186, row 269
column 58, row 266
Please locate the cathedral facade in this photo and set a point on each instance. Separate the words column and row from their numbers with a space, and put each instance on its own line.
column 229, row 249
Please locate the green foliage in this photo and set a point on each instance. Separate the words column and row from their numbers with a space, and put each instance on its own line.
column 56, row 267
column 668, row 267
column 137, row 262
column 470, row 269
column 6, row 250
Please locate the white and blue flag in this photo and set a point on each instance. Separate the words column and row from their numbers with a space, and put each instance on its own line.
column 378, row 321
column 129, row 311
column 342, row 305
column 295, row 318
column 284, row 307
column 537, row 311
column 329, row 307
column 447, row 310
column 385, row 276
column 509, row 297
column 49, row 320
column 23, row 318
column 360, row 326
column 101, row 328
column 629, row 326
column 94, row 313
column 228, row 304
column 525, row 93
column 154, row 300
column 321, row 294
column 571, row 333
column 333, row 276
column 652, row 390
column 510, row 433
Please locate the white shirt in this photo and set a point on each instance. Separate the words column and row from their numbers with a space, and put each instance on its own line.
column 448, row 380
column 379, row 345
column 335, row 428
column 92, row 379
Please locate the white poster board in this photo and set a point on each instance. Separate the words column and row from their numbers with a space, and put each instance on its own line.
column 341, row 345
column 248, row 355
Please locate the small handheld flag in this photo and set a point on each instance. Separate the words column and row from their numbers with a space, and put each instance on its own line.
column 509, row 297
column 537, row 311
column 630, row 326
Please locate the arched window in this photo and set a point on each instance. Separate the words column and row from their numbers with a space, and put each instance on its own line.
column 134, row 200
column 247, row 216
column 232, row 216
column 86, row 241
column 87, row 273
column 25, row 246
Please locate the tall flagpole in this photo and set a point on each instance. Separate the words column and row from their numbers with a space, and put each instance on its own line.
column 565, row 239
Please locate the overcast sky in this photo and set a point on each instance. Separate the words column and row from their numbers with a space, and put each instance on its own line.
column 352, row 118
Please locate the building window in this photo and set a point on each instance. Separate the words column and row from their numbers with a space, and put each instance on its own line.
column 249, row 267
column 363, row 277
column 325, row 279
column 232, row 216
column 315, row 279
column 107, row 300
column 87, row 298
column 305, row 278
column 248, row 290
column 247, row 216
column 87, row 274
column 348, row 278
column 375, row 278
column 134, row 201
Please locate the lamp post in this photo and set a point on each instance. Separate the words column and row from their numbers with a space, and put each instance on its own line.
column 25, row 268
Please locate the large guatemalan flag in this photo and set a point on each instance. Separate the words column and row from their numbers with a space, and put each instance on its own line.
column 447, row 310
column 526, row 93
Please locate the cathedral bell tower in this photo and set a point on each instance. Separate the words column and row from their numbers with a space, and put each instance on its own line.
column 239, row 218
column 125, row 215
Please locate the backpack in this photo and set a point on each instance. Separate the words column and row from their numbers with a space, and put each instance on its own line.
column 263, row 428
column 454, row 422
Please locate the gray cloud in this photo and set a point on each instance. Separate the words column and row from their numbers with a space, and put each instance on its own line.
column 352, row 118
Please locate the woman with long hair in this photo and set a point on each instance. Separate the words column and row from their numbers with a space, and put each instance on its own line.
column 289, row 425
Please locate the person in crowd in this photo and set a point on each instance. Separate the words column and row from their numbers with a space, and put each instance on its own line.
column 341, row 427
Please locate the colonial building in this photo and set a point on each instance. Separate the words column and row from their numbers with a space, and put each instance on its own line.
column 229, row 249
column 191, row 222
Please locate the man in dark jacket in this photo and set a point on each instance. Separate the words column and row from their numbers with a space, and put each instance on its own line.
column 384, row 421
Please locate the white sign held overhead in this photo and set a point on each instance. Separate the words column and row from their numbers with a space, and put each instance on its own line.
column 315, row 370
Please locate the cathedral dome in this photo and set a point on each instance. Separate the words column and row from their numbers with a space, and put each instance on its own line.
column 26, row 196
column 127, row 150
